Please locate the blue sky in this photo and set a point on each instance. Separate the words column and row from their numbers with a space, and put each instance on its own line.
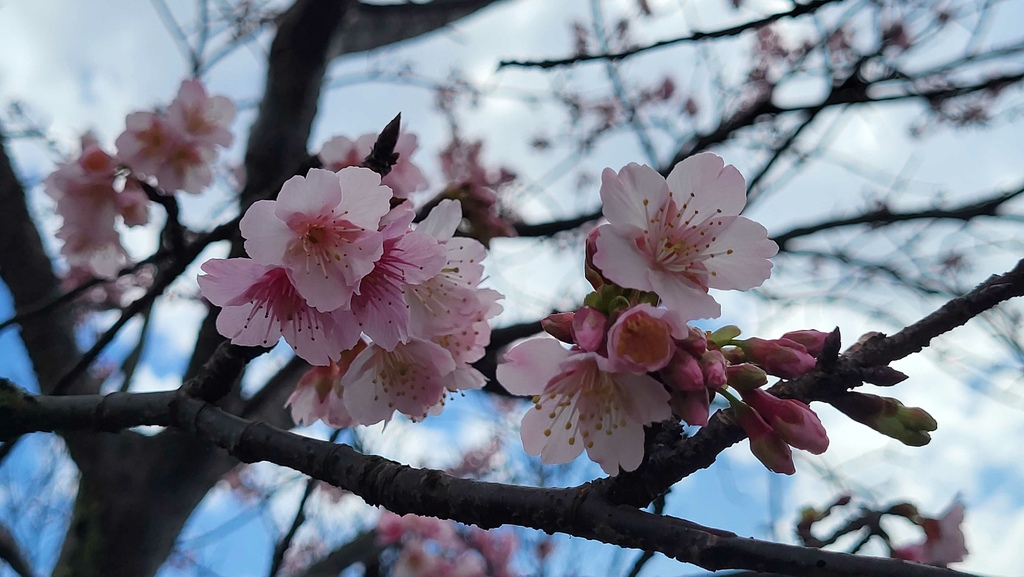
column 80, row 67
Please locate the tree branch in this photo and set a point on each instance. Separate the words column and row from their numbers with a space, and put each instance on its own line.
column 578, row 511
column 799, row 10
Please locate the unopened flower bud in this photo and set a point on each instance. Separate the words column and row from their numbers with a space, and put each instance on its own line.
column 588, row 328
column 713, row 364
column 908, row 425
column 781, row 357
column 792, row 420
column 691, row 406
column 559, row 325
column 810, row 339
column 765, row 444
column 695, row 342
column 746, row 376
column 683, row 372
column 593, row 274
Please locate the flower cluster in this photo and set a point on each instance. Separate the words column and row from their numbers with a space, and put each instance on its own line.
column 429, row 547
column 330, row 262
column 177, row 147
column 172, row 150
column 631, row 359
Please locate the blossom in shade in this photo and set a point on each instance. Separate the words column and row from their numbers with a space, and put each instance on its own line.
column 409, row 258
column 323, row 229
column 580, row 403
column 589, row 327
column 260, row 303
column 89, row 204
column 409, row 379
column 405, row 177
column 680, row 237
column 203, row 120
column 178, row 147
column 317, row 396
column 944, row 539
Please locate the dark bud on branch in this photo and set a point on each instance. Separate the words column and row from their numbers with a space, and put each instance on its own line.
column 382, row 156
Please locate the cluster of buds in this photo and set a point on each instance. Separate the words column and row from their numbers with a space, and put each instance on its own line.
column 172, row 150
column 632, row 359
column 427, row 547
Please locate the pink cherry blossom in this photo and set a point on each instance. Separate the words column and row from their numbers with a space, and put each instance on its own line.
column 405, row 177
column 323, row 229
column 203, row 120
column 260, row 303
column 178, row 147
column 89, row 204
column 317, row 395
column 449, row 300
column 680, row 237
column 589, row 326
column 944, row 539
column 409, row 258
column 579, row 403
column 409, row 379
column 640, row 341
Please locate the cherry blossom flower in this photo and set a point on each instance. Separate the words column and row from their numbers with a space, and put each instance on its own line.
column 260, row 303
column 640, row 341
column 410, row 379
column 317, row 396
column 450, row 299
column 89, row 204
column 944, row 540
column 178, row 147
column 579, row 403
column 405, row 177
column 323, row 229
column 409, row 258
column 204, row 120
column 680, row 237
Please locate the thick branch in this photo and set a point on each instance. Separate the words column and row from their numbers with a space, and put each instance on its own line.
column 576, row 511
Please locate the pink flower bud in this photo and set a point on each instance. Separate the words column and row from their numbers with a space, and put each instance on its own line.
column 691, row 406
column 559, row 325
column 683, row 372
column 746, row 376
column 593, row 274
column 781, row 357
column 792, row 420
column 810, row 339
column 765, row 444
column 713, row 365
column 641, row 341
column 695, row 343
column 588, row 328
